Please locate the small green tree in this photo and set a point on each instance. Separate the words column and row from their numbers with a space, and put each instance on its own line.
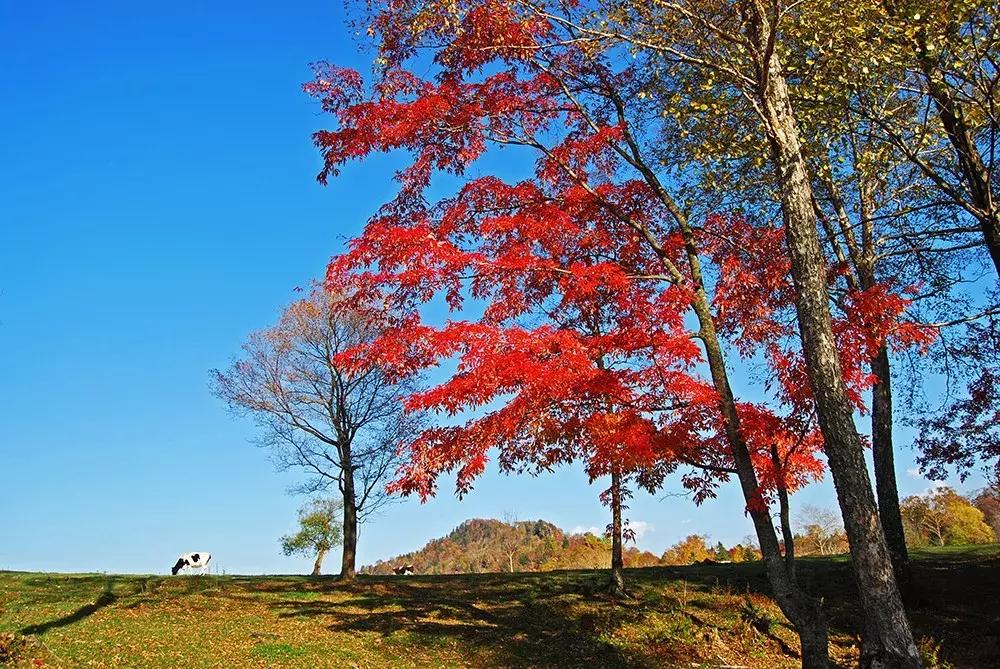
column 319, row 531
column 748, row 553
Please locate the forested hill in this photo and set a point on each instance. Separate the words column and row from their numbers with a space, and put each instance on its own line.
column 488, row 545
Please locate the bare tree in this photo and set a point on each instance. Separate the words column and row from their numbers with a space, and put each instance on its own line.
column 822, row 531
column 511, row 538
column 339, row 425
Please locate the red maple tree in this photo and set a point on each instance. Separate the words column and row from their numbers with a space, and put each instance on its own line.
column 593, row 315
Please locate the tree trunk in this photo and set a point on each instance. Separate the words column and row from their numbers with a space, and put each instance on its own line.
column 617, row 586
column 318, row 564
column 804, row 612
column 350, row 528
column 787, row 536
column 887, row 640
column 882, row 448
column 885, row 469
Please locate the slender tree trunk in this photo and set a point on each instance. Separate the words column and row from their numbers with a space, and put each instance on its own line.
column 787, row 537
column 882, row 450
column 617, row 586
column 936, row 530
column 318, row 564
column 803, row 611
column 885, row 469
column 347, row 570
column 887, row 640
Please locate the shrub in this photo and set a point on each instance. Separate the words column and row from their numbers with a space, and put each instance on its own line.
column 756, row 616
column 930, row 654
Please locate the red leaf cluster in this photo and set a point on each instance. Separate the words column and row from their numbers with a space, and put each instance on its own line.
column 570, row 340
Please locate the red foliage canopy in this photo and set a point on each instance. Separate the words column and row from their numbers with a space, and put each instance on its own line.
column 570, row 339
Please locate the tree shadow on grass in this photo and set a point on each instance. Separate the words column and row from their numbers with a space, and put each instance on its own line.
column 106, row 598
column 493, row 620
column 956, row 598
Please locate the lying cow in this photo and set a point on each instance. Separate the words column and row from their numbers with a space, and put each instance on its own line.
column 405, row 570
column 192, row 561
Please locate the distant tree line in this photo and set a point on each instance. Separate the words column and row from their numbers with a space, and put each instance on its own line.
column 480, row 545
column 943, row 517
column 940, row 517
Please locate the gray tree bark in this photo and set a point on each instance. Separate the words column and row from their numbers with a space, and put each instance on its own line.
column 347, row 564
column 887, row 640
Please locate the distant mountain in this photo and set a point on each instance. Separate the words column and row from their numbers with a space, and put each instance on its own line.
column 486, row 545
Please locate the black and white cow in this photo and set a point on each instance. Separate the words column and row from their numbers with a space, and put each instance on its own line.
column 404, row 570
column 192, row 561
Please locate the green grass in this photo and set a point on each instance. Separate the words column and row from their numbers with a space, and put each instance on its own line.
column 277, row 652
column 706, row 615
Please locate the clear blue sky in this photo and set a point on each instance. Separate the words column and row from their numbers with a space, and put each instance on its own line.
column 157, row 203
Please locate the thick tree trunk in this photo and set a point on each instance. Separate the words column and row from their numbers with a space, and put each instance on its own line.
column 318, row 564
column 887, row 640
column 617, row 586
column 885, row 469
column 347, row 569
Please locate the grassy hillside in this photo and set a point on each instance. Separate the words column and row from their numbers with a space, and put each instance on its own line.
column 485, row 545
column 708, row 616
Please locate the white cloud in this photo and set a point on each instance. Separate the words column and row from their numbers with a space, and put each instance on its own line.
column 580, row 529
column 913, row 472
column 934, row 485
column 640, row 527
